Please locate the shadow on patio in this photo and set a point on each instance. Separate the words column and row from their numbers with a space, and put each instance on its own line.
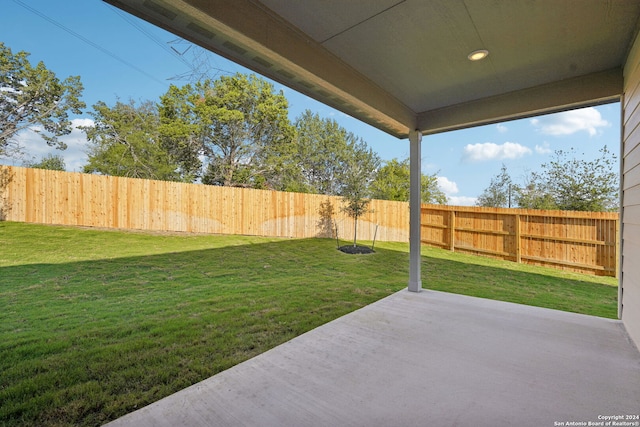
column 431, row 358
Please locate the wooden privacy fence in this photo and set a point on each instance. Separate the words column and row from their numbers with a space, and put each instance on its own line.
column 585, row 242
column 66, row 198
column 580, row 241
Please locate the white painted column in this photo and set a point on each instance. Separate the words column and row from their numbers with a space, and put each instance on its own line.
column 415, row 201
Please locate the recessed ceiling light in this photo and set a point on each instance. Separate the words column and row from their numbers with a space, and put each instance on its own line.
column 477, row 55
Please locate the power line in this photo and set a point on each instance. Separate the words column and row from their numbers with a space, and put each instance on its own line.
column 126, row 17
column 200, row 66
column 87, row 41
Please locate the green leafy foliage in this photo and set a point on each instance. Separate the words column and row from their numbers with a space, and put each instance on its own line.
column 322, row 151
column 567, row 182
column 500, row 193
column 392, row 182
column 533, row 194
column 238, row 124
column 34, row 98
column 359, row 172
column 54, row 162
column 233, row 131
column 178, row 130
column 124, row 141
column 579, row 185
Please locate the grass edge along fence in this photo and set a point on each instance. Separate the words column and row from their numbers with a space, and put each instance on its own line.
column 585, row 242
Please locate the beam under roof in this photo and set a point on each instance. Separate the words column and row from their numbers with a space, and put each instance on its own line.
column 593, row 89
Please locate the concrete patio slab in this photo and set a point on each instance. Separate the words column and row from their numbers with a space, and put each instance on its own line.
column 424, row 359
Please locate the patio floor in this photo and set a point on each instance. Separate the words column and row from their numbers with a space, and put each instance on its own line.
column 424, row 359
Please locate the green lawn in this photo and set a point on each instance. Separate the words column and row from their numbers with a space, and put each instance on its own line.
column 95, row 324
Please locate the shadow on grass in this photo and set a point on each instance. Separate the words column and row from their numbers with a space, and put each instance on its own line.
column 82, row 343
column 507, row 284
column 85, row 342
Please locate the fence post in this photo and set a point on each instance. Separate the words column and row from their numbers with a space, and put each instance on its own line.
column 617, row 250
column 452, row 230
column 518, row 243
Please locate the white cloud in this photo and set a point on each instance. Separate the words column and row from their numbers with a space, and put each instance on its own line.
column 75, row 157
column 501, row 128
column 81, row 122
column 570, row 122
column 543, row 149
column 490, row 151
column 448, row 187
column 462, row 201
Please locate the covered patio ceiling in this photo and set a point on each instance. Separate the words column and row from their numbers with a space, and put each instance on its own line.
column 401, row 65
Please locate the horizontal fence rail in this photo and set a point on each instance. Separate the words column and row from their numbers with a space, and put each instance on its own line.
column 585, row 242
column 69, row 198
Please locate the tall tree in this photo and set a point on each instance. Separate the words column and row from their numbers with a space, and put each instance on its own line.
column 580, row 185
column 238, row 124
column 325, row 157
column 565, row 183
column 392, row 182
column 34, row 98
column 533, row 194
column 500, row 193
column 179, row 129
column 360, row 170
column 431, row 191
column 321, row 153
column 124, row 141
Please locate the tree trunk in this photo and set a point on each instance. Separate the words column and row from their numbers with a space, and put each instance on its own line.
column 355, row 230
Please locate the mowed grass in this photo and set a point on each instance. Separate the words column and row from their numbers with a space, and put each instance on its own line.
column 95, row 324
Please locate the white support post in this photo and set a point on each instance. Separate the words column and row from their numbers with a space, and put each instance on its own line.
column 415, row 201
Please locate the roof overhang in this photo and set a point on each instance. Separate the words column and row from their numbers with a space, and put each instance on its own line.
column 401, row 65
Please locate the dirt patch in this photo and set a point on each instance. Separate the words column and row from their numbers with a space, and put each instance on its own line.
column 350, row 249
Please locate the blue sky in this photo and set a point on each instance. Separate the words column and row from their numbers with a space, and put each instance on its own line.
column 119, row 57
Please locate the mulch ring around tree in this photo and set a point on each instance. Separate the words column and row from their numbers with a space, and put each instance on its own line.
column 350, row 249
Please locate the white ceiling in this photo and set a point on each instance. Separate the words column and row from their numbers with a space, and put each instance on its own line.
column 402, row 64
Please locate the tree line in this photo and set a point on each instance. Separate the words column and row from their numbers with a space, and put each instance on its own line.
column 231, row 131
column 566, row 182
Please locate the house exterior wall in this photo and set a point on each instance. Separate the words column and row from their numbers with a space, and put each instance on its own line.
column 630, row 177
